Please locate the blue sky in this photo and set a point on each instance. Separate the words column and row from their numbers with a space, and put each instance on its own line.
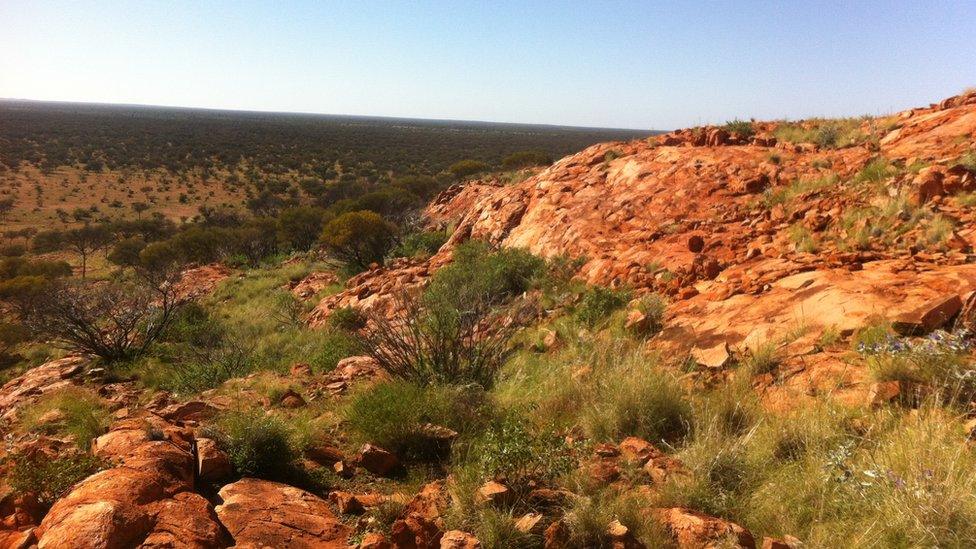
column 612, row 64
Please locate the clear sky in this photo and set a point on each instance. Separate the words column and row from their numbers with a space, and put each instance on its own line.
column 613, row 64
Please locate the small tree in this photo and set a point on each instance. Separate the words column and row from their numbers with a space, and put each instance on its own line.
column 86, row 240
column 139, row 207
column 360, row 238
column 125, row 253
column 300, row 227
column 6, row 206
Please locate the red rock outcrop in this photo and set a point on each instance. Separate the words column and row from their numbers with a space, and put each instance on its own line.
column 146, row 500
column 261, row 513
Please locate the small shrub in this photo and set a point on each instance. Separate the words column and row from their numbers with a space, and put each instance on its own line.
column 12, row 250
column 50, row 478
column 360, row 238
column 526, row 159
column 598, row 302
column 392, row 414
column 742, row 127
column 349, row 319
column 336, row 346
column 420, row 244
column 510, row 451
column 652, row 306
column 466, row 168
column 258, row 444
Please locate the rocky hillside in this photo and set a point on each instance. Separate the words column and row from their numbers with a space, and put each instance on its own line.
column 756, row 348
column 750, row 237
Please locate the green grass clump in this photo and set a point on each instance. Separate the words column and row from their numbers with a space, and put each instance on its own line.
column 642, row 402
column 80, row 414
column 598, row 302
column 825, row 133
column 588, row 518
column 259, row 444
column 741, row 127
column 390, row 415
column 800, row 187
column 420, row 244
column 49, row 478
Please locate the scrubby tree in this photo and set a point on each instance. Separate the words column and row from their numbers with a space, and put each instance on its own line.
column 526, row 159
column 300, row 227
column 86, row 240
column 6, row 206
column 139, row 207
column 111, row 320
column 466, row 168
column 125, row 253
column 359, row 238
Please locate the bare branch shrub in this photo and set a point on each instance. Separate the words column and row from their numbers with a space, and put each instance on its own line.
column 111, row 320
column 434, row 341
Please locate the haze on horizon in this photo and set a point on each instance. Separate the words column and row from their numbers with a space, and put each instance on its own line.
column 616, row 64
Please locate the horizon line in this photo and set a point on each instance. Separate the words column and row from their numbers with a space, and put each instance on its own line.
column 313, row 113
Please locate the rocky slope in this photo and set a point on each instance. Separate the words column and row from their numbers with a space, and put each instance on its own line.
column 755, row 241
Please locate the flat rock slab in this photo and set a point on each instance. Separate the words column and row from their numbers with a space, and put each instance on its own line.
column 261, row 513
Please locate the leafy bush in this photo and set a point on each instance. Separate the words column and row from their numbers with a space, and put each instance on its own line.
column 526, row 159
column 479, row 273
column 361, row 238
column 392, row 414
column 12, row 250
column 420, row 244
column 465, row 168
column 301, row 226
column 598, row 302
column 77, row 412
column 50, row 478
column 349, row 319
column 510, row 451
column 336, row 346
column 258, row 444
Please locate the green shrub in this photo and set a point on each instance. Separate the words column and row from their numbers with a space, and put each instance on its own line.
column 526, row 159
column 479, row 273
column 420, row 244
column 360, row 238
column 391, row 415
column 598, row 302
column 509, row 450
column 49, row 478
column 79, row 413
column 300, row 227
column 258, row 444
column 466, row 168
column 742, row 127
column 652, row 306
column 348, row 319
column 335, row 346
column 450, row 333
column 12, row 250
